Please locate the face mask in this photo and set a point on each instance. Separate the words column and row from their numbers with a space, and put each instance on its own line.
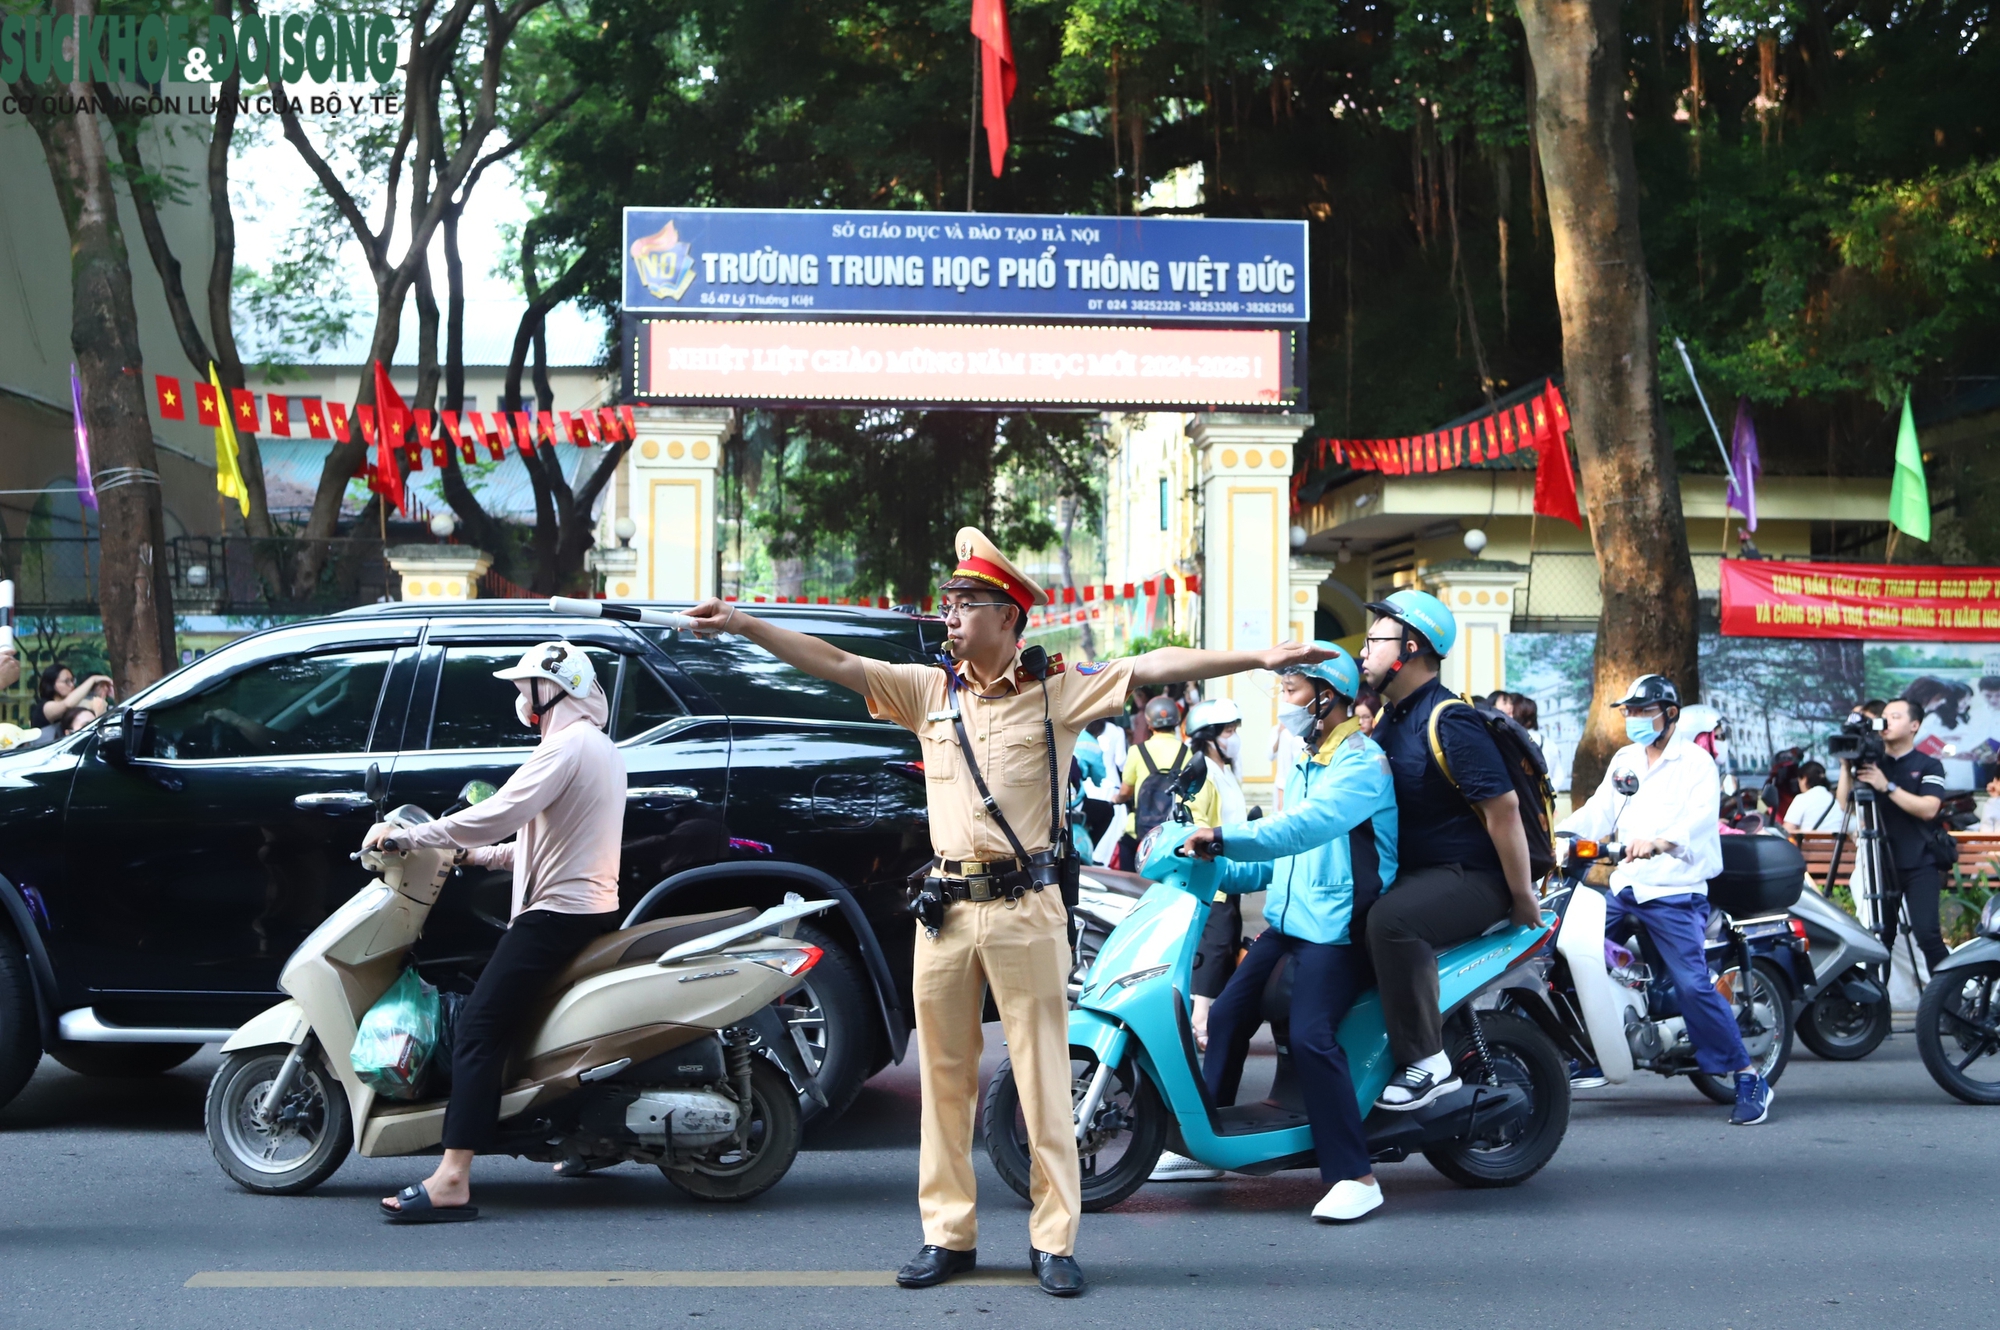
column 1230, row 745
column 1639, row 729
column 1295, row 718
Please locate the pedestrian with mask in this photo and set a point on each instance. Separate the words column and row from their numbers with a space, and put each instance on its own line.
column 991, row 905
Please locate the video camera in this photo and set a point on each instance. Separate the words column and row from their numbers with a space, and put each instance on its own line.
column 1859, row 742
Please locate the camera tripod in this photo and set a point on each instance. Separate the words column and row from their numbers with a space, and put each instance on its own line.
column 1868, row 854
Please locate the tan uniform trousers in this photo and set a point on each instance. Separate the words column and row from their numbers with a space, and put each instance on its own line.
column 1020, row 949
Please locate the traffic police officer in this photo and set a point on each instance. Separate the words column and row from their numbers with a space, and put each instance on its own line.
column 1002, row 926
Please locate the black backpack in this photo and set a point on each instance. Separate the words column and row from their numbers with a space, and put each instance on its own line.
column 1154, row 801
column 1527, row 769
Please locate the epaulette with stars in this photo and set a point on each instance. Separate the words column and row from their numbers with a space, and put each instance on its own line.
column 1021, row 676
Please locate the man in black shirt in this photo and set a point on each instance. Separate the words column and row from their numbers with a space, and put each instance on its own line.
column 1462, row 853
column 1909, row 790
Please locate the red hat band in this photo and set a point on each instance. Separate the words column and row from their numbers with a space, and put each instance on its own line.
column 994, row 576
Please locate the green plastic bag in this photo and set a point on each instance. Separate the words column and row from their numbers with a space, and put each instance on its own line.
column 397, row 1038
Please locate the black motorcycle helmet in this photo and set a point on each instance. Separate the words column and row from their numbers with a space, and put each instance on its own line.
column 1651, row 689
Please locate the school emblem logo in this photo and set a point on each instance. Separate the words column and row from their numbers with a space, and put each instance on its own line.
column 665, row 263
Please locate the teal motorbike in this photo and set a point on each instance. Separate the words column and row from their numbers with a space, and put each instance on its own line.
column 1136, row 1073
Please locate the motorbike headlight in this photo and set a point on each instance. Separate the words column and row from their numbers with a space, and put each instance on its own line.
column 1989, row 918
column 793, row 962
column 1137, row 976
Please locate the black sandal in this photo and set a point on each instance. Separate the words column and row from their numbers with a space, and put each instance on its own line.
column 413, row 1206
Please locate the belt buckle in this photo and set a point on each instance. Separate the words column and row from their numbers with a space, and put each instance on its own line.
column 980, row 888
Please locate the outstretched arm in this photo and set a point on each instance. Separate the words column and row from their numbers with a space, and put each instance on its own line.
column 815, row 657
column 1182, row 664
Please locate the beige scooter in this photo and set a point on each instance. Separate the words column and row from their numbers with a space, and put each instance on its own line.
column 656, row 1045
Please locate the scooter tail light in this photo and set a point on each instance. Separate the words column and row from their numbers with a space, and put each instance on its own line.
column 1799, row 932
column 794, row 962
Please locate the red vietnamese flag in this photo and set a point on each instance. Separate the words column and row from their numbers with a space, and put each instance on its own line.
column 631, row 426
column 392, row 414
column 1544, row 426
column 573, row 427
column 1478, row 444
column 996, row 75
column 1524, row 430
column 243, row 403
column 545, row 427
column 206, row 411
column 336, row 420
column 591, row 426
column 1558, row 409
column 524, row 432
column 280, row 409
column 316, row 419
column 364, row 415
column 461, row 438
column 1555, row 480
column 167, row 391
column 1431, row 452
column 1505, row 422
column 427, row 434
column 607, row 421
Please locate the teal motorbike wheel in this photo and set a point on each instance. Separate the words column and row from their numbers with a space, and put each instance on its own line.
column 1525, row 1059
column 1117, row 1153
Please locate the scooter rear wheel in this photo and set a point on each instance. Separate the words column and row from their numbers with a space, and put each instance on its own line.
column 1527, row 1060
column 1839, row 1029
column 737, row 1174
column 1116, row 1156
column 1770, row 1011
column 299, row 1151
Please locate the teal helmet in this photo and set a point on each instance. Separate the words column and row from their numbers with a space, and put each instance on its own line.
column 1425, row 614
column 1338, row 671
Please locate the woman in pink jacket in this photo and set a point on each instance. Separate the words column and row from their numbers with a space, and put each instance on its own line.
column 567, row 803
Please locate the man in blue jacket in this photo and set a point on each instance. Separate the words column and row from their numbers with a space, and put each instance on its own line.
column 1323, row 861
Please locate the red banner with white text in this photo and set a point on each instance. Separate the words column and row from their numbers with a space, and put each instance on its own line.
column 1880, row 602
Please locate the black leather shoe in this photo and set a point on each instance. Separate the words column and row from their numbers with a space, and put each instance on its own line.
column 1059, row 1274
column 934, row 1265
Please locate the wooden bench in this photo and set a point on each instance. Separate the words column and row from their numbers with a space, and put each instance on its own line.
column 1976, row 851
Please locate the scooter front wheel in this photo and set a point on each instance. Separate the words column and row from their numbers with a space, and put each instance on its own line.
column 1117, row 1153
column 299, row 1146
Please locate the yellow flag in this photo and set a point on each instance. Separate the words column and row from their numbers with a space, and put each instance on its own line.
column 228, row 472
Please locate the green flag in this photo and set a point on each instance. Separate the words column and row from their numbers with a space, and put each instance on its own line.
column 1909, row 497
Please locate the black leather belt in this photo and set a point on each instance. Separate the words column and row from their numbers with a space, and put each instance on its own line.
column 977, row 867
column 987, row 887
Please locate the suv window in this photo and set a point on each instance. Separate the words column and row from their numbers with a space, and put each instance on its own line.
column 476, row 710
column 746, row 680
column 321, row 703
column 645, row 702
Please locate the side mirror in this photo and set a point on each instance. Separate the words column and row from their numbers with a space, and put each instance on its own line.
column 476, row 792
column 371, row 784
column 124, row 736
column 1193, row 776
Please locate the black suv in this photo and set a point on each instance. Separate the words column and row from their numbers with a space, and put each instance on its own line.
column 157, row 869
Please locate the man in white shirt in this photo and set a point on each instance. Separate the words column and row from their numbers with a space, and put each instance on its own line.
column 1660, row 797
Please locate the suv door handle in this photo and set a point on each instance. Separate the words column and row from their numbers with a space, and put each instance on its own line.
column 339, row 801
column 676, row 793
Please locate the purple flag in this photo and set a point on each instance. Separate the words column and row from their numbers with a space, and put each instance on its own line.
column 86, row 492
column 1747, row 465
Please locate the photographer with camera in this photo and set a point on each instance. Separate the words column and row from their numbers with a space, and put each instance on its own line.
column 1908, row 790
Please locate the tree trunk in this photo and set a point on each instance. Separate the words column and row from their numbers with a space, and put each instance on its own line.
column 1631, row 488
column 134, row 594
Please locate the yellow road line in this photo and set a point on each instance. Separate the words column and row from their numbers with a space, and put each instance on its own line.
column 576, row 1279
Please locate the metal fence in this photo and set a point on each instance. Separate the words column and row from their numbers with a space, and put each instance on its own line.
column 225, row 575
column 1562, row 587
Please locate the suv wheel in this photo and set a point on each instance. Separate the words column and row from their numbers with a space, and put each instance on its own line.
column 833, row 1025
column 20, row 1034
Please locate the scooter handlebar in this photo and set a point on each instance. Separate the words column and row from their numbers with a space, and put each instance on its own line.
column 604, row 609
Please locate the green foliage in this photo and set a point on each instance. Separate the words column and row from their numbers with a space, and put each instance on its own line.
column 1153, row 641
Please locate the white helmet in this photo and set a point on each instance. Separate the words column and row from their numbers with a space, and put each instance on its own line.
column 559, row 663
column 1213, row 714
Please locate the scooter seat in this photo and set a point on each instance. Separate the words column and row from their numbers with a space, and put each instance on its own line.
column 644, row 942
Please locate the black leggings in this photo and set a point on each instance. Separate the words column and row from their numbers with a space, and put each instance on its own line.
column 533, row 950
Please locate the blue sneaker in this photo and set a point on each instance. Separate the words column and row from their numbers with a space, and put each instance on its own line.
column 1753, row 1100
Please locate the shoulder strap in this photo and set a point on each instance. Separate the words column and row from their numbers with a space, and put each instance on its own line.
column 1180, row 760
column 951, row 688
column 1152, row 767
column 1437, row 744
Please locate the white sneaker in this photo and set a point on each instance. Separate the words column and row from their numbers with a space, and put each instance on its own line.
column 1179, row 1168
column 1348, row 1201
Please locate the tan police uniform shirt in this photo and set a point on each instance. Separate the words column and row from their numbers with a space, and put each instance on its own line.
column 1003, row 719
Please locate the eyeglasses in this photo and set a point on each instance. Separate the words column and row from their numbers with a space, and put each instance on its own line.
column 952, row 607
column 1368, row 642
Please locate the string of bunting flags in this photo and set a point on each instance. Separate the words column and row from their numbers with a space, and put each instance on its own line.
column 389, row 426
column 1072, row 604
column 1540, row 423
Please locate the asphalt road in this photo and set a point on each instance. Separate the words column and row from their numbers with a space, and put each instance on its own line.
column 1868, row 1200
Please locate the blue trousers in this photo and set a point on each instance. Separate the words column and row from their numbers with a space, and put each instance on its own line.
column 1326, row 978
column 1678, row 926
